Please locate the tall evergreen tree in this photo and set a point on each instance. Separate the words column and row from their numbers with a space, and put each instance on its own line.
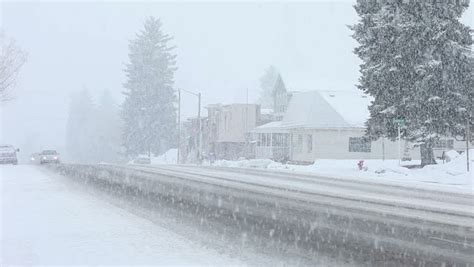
column 12, row 59
column 267, row 86
column 278, row 89
column 149, row 112
column 80, row 128
column 416, row 66
column 107, row 135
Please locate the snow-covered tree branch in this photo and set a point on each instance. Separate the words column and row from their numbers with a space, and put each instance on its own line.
column 267, row 86
column 149, row 112
column 12, row 59
column 416, row 65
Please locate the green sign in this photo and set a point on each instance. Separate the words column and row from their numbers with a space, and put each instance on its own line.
column 399, row 121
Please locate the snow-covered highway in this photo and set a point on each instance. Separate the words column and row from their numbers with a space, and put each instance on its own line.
column 46, row 221
column 61, row 215
column 362, row 222
column 367, row 192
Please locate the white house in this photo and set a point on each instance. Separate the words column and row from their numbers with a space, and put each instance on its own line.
column 325, row 124
column 228, row 126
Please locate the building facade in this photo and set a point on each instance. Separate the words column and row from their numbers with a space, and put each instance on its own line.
column 325, row 125
column 190, row 150
column 229, row 126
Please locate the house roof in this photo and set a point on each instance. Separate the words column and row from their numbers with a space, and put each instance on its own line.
column 321, row 109
column 271, row 127
column 326, row 109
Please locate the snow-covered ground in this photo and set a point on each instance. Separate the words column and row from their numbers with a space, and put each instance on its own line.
column 450, row 174
column 45, row 222
column 169, row 157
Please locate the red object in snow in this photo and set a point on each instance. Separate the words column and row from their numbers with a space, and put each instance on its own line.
column 360, row 164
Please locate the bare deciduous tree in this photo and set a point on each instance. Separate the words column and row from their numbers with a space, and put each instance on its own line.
column 12, row 59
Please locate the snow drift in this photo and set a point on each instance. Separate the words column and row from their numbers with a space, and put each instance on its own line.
column 452, row 173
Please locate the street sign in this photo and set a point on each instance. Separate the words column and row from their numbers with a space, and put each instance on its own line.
column 399, row 121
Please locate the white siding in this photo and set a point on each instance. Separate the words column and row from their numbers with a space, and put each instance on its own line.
column 334, row 144
column 234, row 121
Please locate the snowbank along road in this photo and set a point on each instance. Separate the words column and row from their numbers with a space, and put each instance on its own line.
column 360, row 222
column 46, row 222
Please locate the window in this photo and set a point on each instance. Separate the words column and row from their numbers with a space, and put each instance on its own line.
column 299, row 143
column 275, row 140
column 279, row 140
column 309, row 143
column 225, row 123
column 266, row 139
column 359, row 144
column 444, row 144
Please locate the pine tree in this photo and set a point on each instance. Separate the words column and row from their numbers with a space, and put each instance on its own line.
column 267, row 86
column 149, row 112
column 107, row 129
column 12, row 58
column 416, row 66
column 278, row 89
column 80, row 128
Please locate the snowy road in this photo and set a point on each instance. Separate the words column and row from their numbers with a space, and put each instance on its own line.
column 45, row 221
column 365, row 222
column 367, row 192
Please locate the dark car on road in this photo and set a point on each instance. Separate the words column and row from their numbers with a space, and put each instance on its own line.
column 8, row 155
column 49, row 156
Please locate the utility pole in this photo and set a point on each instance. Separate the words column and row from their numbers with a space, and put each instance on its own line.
column 400, row 122
column 468, row 137
column 399, row 159
column 199, row 135
column 179, row 126
column 383, row 148
column 200, row 130
column 246, row 136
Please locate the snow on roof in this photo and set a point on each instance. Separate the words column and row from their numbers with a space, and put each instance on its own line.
column 352, row 106
column 326, row 109
column 271, row 127
column 6, row 148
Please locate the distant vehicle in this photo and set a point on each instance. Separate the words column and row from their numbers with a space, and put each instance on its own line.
column 35, row 158
column 142, row 160
column 8, row 155
column 49, row 156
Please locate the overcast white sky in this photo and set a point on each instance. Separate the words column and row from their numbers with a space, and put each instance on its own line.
column 222, row 48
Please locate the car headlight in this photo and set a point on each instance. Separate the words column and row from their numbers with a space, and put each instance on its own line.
column 32, row 158
column 44, row 157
